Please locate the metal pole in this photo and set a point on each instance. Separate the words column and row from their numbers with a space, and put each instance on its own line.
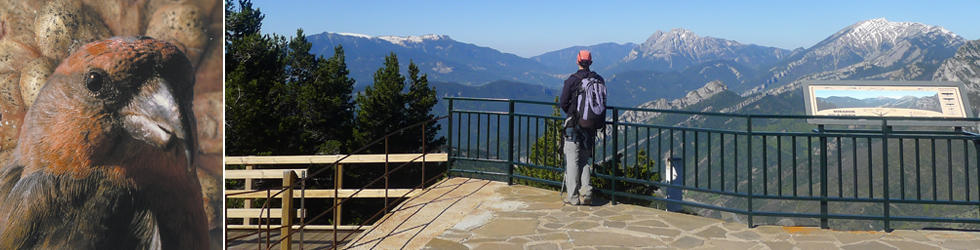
column 510, row 140
column 386, row 171
column 748, row 165
column 302, row 207
column 449, row 140
column 823, row 179
column 268, row 219
column 337, row 183
column 615, row 160
column 424, row 151
column 884, row 157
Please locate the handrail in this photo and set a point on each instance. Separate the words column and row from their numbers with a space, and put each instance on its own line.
column 755, row 157
column 735, row 115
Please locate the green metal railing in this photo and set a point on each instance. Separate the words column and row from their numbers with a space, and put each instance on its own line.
column 760, row 167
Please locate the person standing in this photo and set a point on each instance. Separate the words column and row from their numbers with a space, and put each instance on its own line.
column 583, row 99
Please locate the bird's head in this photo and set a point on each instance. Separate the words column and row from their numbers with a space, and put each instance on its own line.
column 124, row 100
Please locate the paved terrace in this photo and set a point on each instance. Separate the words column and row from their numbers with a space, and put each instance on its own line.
column 463, row 213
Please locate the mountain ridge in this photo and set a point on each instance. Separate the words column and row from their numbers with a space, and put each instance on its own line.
column 680, row 48
column 875, row 49
column 439, row 56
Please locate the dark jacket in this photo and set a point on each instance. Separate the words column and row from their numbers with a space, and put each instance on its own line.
column 566, row 102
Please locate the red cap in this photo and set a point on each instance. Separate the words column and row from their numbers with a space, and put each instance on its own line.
column 584, row 55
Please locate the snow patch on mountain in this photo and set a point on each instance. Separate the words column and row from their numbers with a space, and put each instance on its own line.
column 404, row 41
column 355, row 35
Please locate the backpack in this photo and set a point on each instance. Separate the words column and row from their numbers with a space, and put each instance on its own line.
column 590, row 102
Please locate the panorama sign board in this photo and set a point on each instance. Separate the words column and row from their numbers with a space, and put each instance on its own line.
column 888, row 99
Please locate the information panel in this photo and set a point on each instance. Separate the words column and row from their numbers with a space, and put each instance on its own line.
column 888, row 99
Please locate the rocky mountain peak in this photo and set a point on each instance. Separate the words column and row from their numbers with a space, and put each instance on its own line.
column 678, row 49
column 681, row 41
column 404, row 41
column 964, row 66
column 875, row 49
column 674, row 35
column 869, row 37
column 694, row 97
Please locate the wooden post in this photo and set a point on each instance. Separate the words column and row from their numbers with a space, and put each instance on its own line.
column 288, row 213
column 248, row 201
column 338, row 184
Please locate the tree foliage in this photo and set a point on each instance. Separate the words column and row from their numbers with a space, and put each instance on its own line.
column 386, row 108
column 254, row 65
column 546, row 151
column 280, row 98
column 643, row 169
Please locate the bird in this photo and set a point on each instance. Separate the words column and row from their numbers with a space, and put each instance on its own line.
column 106, row 154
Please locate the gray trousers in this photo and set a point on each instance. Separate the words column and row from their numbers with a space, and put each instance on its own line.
column 577, row 169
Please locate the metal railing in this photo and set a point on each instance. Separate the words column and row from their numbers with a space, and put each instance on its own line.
column 759, row 167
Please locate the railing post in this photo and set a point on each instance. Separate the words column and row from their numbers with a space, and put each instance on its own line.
column 824, row 221
column 449, row 140
column 338, row 182
column 386, row 171
column 510, row 141
column 885, row 129
column 424, row 153
column 615, row 160
column 248, row 202
column 302, row 209
column 748, row 162
column 288, row 177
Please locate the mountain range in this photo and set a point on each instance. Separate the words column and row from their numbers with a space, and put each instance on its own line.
column 869, row 50
column 441, row 57
column 669, row 65
column 930, row 103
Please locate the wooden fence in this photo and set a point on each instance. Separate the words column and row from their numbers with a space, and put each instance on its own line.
column 288, row 211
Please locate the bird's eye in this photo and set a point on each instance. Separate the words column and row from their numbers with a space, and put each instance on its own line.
column 94, row 81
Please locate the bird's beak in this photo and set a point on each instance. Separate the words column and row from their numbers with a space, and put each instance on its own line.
column 156, row 117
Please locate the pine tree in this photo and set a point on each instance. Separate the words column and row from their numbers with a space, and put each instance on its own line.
column 255, row 66
column 421, row 100
column 384, row 109
column 330, row 95
column 382, row 106
column 289, row 103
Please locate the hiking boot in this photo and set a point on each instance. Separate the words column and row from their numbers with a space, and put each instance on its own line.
column 585, row 200
column 571, row 200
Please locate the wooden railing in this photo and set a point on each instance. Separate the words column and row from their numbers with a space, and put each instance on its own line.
column 251, row 173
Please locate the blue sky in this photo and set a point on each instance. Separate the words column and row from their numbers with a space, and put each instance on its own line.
column 529, row 28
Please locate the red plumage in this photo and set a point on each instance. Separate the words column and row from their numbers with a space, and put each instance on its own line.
column 106, row 155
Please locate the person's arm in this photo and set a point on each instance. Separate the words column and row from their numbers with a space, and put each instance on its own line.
column 565, row 101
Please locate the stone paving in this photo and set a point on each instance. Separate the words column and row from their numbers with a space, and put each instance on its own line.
column 491, row 215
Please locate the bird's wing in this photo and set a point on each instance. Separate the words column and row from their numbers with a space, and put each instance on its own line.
column 11, row 234
column 39, row 211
